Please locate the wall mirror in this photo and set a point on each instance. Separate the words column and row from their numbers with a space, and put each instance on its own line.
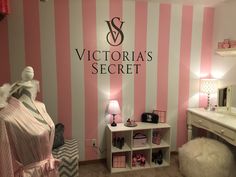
column 233, row 99
column 226, row 99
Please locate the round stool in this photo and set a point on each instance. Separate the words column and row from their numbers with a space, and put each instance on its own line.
column 203, row 157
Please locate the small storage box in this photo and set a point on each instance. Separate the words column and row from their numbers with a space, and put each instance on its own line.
column 118, row 161
column 139, row 140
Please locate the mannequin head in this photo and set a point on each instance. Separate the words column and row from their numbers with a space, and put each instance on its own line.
column 27, row 86
column 27, row 74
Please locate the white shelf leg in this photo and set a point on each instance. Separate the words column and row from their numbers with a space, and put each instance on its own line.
column 190, row 130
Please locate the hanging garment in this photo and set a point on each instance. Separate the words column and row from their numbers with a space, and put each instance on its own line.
column 25, row 142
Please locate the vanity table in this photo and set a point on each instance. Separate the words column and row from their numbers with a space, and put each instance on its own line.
column 221, row 124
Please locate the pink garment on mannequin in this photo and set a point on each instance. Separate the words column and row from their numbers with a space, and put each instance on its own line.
column 26, row 143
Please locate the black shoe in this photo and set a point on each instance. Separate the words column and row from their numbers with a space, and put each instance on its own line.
column 160, row 157
column 118, row 142
column 114, row 142
column 122, row 142
column 154, row 157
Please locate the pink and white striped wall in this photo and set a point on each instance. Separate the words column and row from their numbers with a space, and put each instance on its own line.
column 45, row 35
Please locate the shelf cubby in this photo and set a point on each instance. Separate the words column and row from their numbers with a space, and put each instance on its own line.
column 166, row 156
column 147, row 149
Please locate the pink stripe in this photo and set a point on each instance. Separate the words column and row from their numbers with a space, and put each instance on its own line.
column 63, row 64
column 116, row 79
column 184, row 72
column 163, row 56
column 207, row 34
column 4, row 53
column 32, row 39
column 90, row 85
column 140, row 46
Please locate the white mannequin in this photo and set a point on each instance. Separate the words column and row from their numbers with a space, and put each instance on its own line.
column 27, row 82
column 26, row 91
column 27, row 74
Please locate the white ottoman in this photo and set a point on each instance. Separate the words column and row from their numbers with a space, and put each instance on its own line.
column 203, row 157
column 69, row 156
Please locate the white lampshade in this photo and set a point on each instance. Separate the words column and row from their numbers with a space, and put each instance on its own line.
column 208, row 86
column 113, row 107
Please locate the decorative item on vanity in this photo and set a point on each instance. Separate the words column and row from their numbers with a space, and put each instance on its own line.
column 150, row 117
column 139, row 140
column 130, row 123
column 113, row 109
column 226, row 48
column 208, row 86
column 227, row 43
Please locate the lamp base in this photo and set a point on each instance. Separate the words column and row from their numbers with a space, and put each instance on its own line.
column 113, row 124
column 208, row 108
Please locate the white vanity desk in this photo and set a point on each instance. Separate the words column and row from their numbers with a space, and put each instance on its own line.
column 223, row 125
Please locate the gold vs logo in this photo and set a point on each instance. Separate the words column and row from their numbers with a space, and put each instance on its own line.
column 116, row 36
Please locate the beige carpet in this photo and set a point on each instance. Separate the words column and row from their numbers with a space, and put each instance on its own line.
column 99, row 169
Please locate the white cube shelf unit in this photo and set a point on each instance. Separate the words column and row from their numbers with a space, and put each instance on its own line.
column 147, row 149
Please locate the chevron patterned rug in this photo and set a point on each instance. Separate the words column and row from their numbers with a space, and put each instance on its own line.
column 69, row 155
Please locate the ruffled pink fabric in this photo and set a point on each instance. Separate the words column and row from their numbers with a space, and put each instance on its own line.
column 47, row 167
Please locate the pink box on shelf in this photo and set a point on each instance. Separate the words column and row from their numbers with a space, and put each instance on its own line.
column 118, row 161
column 139, row 140
column 156, row 138
column 161, row 114
column 226, row 45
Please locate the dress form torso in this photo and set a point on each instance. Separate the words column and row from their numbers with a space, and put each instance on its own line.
column 26, row 133
column 29, row 103
column 28, row 142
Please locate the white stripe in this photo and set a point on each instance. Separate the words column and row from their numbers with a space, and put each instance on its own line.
column 77, row 75
column 195, row 60
column 102, row 14
column 173, row 70
column 16, row 40
column 151, row 67
column 48, row 57
column 128, row 45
